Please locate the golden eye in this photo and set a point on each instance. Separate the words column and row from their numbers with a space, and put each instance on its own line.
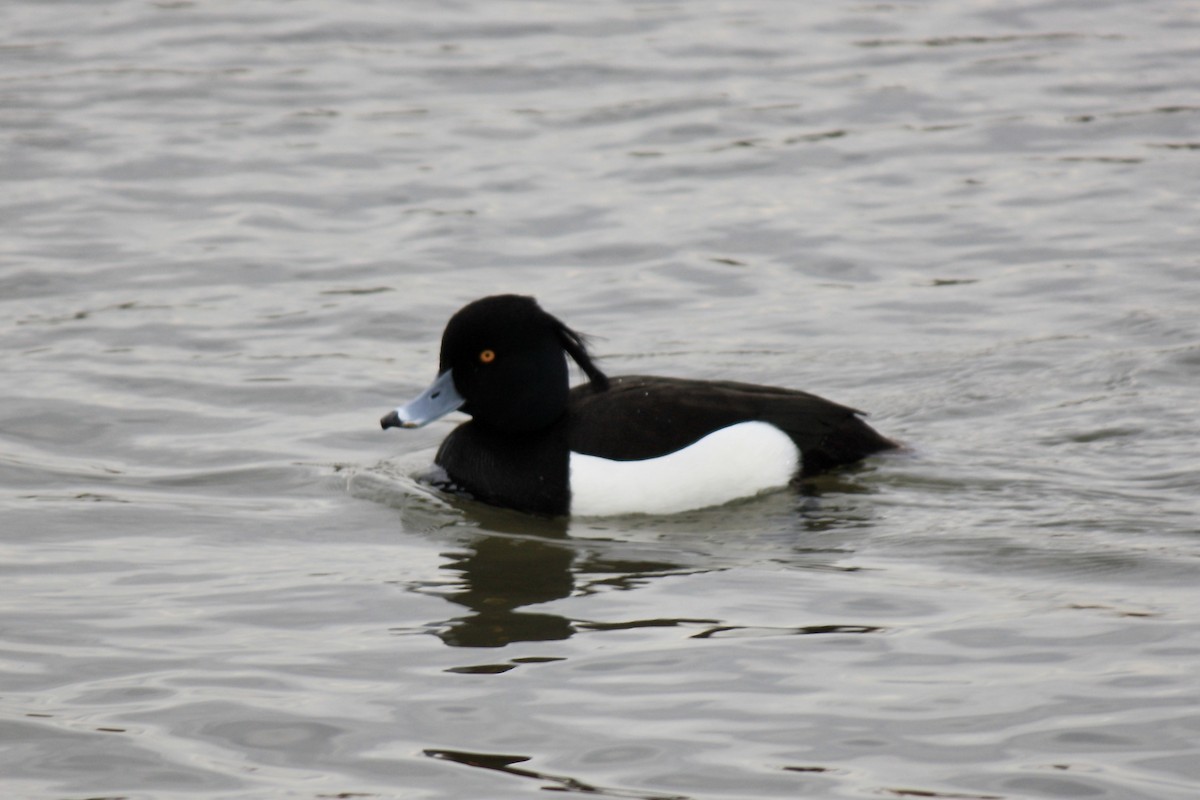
column 487, row 356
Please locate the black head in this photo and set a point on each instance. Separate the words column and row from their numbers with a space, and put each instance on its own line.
column 507, row 360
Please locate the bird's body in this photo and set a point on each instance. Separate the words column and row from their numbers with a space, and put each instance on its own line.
column 613, row 445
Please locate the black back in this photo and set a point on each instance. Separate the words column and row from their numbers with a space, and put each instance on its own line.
column 641, row 417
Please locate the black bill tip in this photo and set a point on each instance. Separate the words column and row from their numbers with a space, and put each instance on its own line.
column 391, row 420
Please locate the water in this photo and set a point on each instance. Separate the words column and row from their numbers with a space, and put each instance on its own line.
column 231, row 236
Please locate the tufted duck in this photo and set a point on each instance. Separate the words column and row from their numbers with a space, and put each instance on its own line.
column 632, row 444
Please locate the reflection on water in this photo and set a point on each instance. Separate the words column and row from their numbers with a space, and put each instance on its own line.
column 521, row 561
column 498, row 577
column 505, row 561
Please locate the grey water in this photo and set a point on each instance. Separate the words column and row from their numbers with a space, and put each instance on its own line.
column 230, row 234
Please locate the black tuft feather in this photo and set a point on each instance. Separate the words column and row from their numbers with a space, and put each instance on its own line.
column 576, row 346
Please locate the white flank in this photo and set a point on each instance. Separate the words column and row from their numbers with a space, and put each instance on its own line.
column 738, row 461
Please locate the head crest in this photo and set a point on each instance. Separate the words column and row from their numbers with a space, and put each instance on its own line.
column 576, row 347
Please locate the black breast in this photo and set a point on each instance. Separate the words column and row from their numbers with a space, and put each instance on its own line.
column 527, row 472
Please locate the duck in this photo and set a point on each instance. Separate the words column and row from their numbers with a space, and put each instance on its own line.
column 633, row 444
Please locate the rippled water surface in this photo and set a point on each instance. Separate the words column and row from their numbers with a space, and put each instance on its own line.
column 232, row 232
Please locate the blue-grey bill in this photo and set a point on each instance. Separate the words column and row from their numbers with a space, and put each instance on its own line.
column 437, row 401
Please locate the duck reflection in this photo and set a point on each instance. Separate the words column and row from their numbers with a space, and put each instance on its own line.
column 499, row 575
column 509, row 561
column 517, row 561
